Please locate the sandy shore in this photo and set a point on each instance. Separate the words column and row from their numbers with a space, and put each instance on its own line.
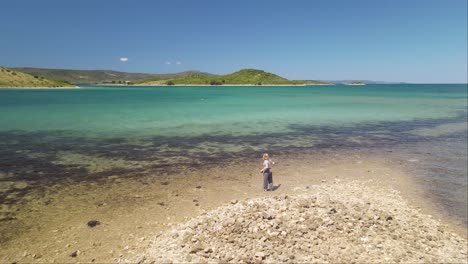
column 135, row 213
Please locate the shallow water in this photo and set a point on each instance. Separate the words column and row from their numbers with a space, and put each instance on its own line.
column 63, row 136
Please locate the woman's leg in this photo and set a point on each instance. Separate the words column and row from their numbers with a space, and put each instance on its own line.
column 265, row 180
column 270, row 180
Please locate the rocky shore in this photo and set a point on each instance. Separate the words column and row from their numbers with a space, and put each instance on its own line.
column 339, row 222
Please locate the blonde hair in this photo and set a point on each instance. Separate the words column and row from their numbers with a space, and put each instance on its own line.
column 265, row 156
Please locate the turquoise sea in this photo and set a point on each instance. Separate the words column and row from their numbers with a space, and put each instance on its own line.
column 53, row 135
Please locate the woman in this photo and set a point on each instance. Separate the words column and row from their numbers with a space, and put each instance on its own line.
column 267, row 173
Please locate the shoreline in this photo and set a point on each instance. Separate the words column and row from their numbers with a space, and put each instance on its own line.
column 208, row 85
column 133, row 211
column 31, row 88
column 228, row 85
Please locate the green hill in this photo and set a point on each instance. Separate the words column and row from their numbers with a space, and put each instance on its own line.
column 242, row 77
column 99, row 76
column 12, row 78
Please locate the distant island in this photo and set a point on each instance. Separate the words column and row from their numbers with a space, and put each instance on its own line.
column 185, row 78
column 98, row 76
column 344, row 82
column 108, row 77
column 242, row 77
column 355, row 83
column 14, row 79
column 49, row 78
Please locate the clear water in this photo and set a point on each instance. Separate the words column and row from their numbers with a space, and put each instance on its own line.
column 190, row 111
column 84, row 134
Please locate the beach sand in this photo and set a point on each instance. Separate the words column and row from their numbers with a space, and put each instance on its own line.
column 52, row 226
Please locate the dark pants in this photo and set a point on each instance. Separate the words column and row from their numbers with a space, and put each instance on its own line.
column 267, row 179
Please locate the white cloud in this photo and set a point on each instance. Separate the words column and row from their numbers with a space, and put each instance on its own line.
column 178, row 63
column 168, row 62
column 124, row 59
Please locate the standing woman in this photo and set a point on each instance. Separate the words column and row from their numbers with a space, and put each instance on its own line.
column 267, row 173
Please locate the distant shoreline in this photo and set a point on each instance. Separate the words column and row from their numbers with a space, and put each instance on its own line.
column 39, row 88
column 208, row 85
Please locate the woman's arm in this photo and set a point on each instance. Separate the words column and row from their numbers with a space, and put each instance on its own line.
column 265, row 166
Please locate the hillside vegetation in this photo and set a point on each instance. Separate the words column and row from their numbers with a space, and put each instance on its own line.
column 242, row 77
column 99, row 76
column 12, row 78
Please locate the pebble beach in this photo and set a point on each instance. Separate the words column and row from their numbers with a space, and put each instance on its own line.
column 337, row 223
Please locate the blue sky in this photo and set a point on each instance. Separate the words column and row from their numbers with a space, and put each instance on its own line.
column 397, row 40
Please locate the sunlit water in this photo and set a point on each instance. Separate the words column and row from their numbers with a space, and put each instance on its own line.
column 48, row 136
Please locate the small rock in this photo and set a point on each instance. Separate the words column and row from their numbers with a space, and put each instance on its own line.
column 273, row 234
column 234, row 201
column 268, row 217
column 198, row 187
column 195, row 249
column 93, row 223
column 74, row 254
